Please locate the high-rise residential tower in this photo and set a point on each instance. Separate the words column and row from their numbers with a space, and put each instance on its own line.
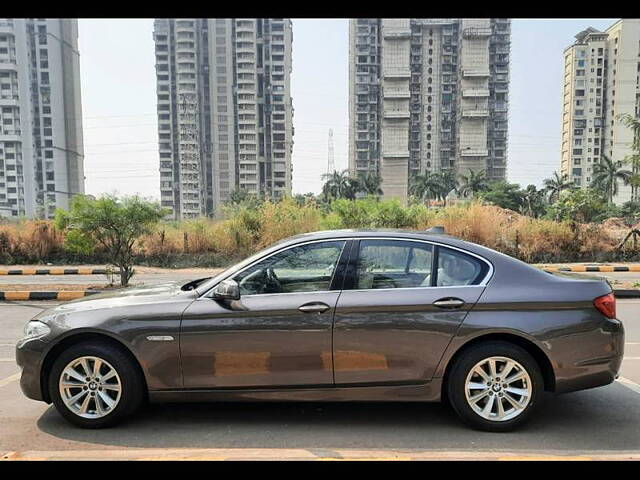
column 601, row 81
column 41, row 149
column 225, row 115
column 428, row 95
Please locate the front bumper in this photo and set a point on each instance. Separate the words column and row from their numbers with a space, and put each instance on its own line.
column 29, row 357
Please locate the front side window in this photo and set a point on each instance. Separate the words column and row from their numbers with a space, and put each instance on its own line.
column 393, row 264
column 303, row 268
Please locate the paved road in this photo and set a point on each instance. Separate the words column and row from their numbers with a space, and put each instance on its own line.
column 589, row 424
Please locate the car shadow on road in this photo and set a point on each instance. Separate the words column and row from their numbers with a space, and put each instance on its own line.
column 601, row 419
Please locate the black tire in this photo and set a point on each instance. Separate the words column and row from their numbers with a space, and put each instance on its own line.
column 132, row 384
column 463, row 365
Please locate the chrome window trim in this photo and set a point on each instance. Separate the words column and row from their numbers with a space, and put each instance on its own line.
column 289, row 247
column 346, row 239
column 482, row 283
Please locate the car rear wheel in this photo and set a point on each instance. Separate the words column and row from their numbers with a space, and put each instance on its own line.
column 95, row 385
column 494, row 386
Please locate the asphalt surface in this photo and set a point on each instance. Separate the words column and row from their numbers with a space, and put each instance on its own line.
column 597, row 423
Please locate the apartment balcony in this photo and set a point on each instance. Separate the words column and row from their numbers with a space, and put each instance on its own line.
column 394, row 74
column 396, row 93
column 435, row 21
column 476, row 32
column 475, row 92
column 245, row 28
column 395, row 154
column 475, row 112
column 6, row 64
column 396, row 114
column 475, row 73
column 8, row 100
column 396, row 33
column 6, row 27
column 473, row 152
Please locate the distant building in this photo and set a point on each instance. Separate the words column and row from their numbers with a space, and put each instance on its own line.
column 601, row 81
column 41, row 148
column 427, row 95
column 224, row 110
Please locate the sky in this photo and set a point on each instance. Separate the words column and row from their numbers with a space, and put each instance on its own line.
column 119, row 100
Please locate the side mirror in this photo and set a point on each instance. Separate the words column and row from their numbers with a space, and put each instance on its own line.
column 227, row 290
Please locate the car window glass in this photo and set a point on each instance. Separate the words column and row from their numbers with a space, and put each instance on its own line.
column 456, row 268
column 304, row 268
column 393, row 264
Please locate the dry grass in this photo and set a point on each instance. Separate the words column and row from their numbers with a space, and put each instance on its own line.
column 243, row 230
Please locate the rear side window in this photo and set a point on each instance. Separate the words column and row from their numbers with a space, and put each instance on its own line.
column 393, row 264
column 458, row 269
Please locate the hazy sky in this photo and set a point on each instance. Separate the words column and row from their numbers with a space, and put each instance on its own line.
column 119, row 100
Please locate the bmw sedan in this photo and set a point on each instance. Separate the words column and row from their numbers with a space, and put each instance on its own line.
column 378, row 315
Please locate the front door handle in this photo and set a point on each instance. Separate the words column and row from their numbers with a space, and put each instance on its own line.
column 318, row 307
column 449, row 302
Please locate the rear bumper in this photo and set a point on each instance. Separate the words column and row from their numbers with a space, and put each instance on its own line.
column 594, row 371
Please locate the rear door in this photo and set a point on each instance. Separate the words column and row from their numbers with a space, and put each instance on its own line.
column 402, row 302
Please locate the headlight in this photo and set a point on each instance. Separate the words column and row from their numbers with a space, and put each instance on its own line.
column 35, row 329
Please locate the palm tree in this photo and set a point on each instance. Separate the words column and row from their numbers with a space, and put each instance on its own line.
column 473, row 183
column 370, row 183
column 448, row 182
column 425, row 187
column 532, row 201
column 339, row 185
column 606, row 174
column 556, row 184
column 634, row 159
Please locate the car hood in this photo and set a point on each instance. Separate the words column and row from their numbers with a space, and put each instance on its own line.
column 150, row 294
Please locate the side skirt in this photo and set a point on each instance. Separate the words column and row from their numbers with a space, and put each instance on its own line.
column 428, row 392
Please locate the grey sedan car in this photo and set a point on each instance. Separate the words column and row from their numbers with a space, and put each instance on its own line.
column 345, row 315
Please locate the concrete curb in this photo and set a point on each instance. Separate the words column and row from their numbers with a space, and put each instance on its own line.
column 51, row 295
column 626, row 293
column 55, row 271
column 594, row 268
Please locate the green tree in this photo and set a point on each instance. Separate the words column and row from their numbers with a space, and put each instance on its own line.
column 504, row 194
column 447, row 182
column 111, row 223
column 634, row 159
column 582, row 205
column 425, row 187
column 606, row 175
column 533, row 202
column 370, row 184
column 339, row 185
column 473, row 183
column 556, row 185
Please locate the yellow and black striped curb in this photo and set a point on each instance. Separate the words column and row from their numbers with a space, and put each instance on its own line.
column 592, row 268
column 51, row 295
column 54, row 271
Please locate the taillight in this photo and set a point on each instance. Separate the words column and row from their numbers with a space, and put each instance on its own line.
column 606, row 304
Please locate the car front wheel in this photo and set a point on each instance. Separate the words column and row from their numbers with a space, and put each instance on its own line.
column 95, row 385
column 494, row 386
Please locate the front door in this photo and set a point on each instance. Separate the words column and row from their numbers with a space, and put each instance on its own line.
column 402, row 303
column 277, row 334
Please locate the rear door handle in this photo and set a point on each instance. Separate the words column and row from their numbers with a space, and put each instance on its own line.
column 318, row 307
column 449, row 303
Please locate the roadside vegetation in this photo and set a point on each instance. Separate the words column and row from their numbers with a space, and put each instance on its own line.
column 555, row 223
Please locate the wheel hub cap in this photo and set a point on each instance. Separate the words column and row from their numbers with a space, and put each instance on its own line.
column 90, row 387
column 498, row 389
